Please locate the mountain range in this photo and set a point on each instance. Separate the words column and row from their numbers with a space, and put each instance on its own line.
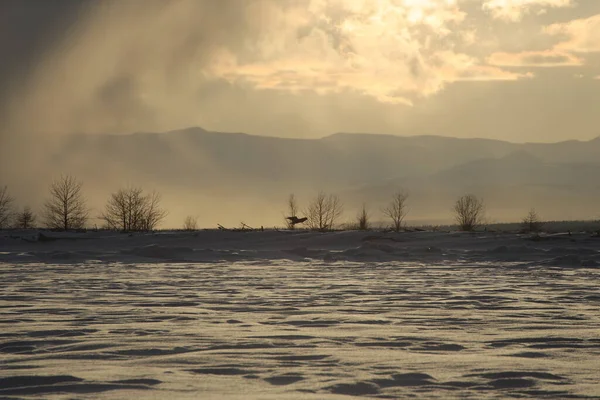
column 228, row 177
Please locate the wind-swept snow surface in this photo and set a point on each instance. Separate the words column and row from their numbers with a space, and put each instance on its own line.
column 299, row 315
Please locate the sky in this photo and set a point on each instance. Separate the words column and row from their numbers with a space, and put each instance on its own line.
column 516, row 70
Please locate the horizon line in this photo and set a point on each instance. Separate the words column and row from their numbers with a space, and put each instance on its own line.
column 399, row 136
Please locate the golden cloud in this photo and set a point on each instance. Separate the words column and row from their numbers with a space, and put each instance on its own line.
column 575, row 37
column 514, row 10
column 126, row 67
column 545, row 58
column 581, row 35
column 394, row 52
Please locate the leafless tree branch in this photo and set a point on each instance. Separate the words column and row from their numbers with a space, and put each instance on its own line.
column 363, row 219
column 130, row 210
column 25, row 219
column 5, row 207
column 292, row 210
column 190, row 223
column 532, row 223
column 323, row 212
column 397, row 210
column 66, row 208
column 468, row 212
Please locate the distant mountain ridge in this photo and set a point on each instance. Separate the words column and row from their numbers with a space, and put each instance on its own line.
column 362, row 167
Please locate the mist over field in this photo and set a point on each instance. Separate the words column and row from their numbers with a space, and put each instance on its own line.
column 225, row 178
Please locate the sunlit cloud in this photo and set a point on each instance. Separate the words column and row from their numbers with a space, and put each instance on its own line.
column 126, row 68
column 393, row 51
column 575, row 38
column 581, row 35
column 547, row 58
column 392, row 84
column 515, row 10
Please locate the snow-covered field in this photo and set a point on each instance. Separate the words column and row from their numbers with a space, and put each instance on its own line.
column 276, row 315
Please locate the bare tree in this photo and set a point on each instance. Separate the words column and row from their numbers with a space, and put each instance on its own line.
column 396, row 210
column 363, row 219
column 130, row 210
column 25, row 219
column 190, row 223
column 323, row 211
column 532, row 223
column 66, row 208
column 5, row 207
column 292, row 210
column 123, row 210
column 153, row 214
column 468, row 212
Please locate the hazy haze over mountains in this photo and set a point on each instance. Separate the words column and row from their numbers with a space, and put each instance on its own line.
column 232, row 177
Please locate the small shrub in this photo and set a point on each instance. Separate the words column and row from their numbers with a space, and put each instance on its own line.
column 25, row 219
column 190, row 223
column 532, row 223
column 363, row 219
column 469, row 210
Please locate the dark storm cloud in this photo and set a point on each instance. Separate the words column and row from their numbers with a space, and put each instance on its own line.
column 28, row 30
column 120, row 66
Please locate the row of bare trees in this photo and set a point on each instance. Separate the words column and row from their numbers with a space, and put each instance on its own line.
column 325, row 210
column 128, row 209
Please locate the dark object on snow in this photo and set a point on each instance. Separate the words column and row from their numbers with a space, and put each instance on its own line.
column 295, row 220
column 242, row 228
